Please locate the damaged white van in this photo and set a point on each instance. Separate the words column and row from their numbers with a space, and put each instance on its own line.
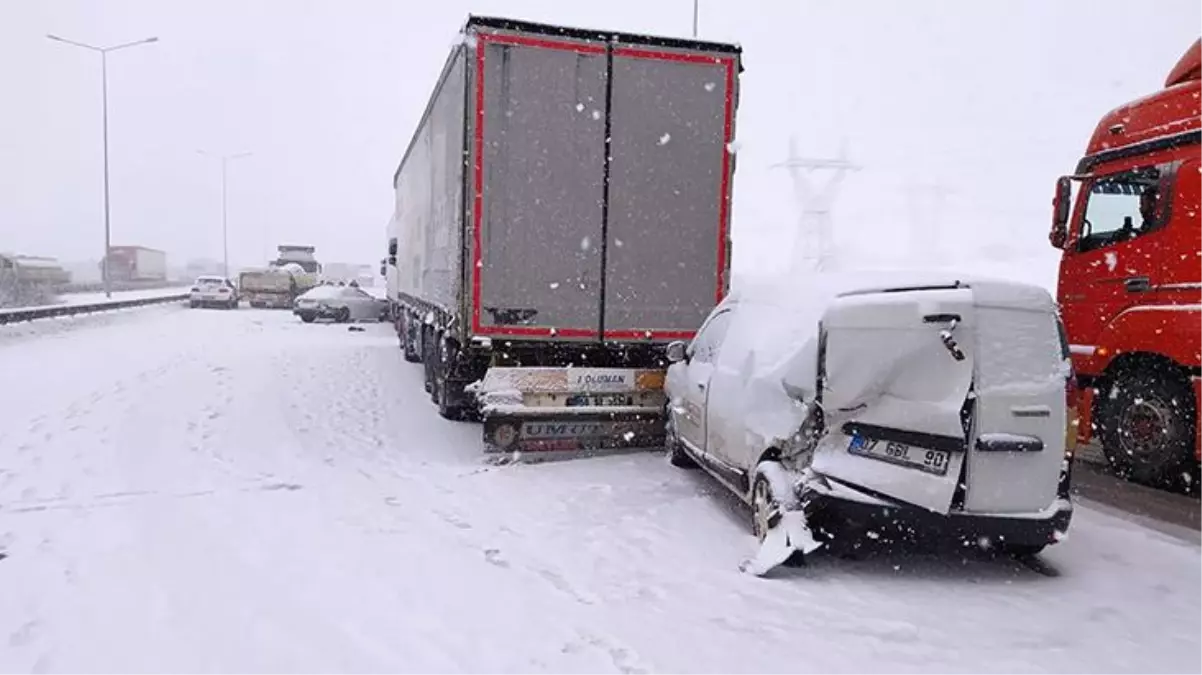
column 885, row 404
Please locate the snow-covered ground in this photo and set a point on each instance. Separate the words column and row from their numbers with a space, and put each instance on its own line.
column 192, row 490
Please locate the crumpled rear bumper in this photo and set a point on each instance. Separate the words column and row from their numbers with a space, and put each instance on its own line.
column 830, row 512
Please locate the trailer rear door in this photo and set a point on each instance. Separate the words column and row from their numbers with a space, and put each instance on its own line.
column 539, row 126
column 672, row 117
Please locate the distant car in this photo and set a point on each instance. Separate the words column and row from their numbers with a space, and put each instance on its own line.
column 213, row 292
column 341, row 304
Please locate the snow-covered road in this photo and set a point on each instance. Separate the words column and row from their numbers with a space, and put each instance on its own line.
column 189, row 490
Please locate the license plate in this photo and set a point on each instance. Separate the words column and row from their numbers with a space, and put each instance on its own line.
column 929, row 461
column 599, row 400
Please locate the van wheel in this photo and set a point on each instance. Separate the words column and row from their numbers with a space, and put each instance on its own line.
column 677, row 455
column 764, row 506
column 343, row 315
column 1147, row 426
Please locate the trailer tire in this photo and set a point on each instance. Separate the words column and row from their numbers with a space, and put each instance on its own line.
column 1147, row 427
column 408, row 343
column 429, row 356
column 448, row 393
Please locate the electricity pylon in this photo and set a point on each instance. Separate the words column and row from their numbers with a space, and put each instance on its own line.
column 815, row 245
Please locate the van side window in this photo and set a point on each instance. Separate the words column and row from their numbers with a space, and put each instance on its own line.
column 1125, row 206
column 707, row 343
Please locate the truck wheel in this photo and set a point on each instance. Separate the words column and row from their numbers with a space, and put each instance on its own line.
column 1147, row 427
column 429, row 359
column 448, row 394
column 408, row 343
column 677, row 455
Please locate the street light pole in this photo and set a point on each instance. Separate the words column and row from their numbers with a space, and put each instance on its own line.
column 105, row 278
column 225, row 233
column 695, row 12
column 104, row 105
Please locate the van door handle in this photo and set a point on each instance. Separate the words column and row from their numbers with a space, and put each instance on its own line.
column 1137, row 284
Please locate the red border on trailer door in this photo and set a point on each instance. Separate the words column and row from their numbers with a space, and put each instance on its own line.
column 727, row 62
column 478, row 184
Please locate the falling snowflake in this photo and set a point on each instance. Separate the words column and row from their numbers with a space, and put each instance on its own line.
column 579, row 107
column 554, row 285
column 663, row 140
column 596, row 114
column 586, row 244
column 618, row 242
column 733, row 147
column 628, row 436
column 710, row 86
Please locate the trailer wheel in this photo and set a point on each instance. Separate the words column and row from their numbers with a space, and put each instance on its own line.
column 448, row 393
column 408, row 341
column 1147, row 427
column 429, row 359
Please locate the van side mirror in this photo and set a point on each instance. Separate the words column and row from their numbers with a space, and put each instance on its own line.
column 677, row 351
column 1061, row 204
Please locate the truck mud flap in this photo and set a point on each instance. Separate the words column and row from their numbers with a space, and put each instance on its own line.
column 592, row 432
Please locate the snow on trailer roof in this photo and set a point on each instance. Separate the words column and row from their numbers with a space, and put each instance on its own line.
column 518, row 25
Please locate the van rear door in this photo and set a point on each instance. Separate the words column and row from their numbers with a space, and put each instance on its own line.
column 896, row 372
column 1020, row 414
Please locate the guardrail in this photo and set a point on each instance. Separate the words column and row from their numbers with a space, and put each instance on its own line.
column 118, row 286
column 20, row 314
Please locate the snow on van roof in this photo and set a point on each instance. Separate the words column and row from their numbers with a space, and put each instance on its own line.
column 815, row 290
column 775, row 329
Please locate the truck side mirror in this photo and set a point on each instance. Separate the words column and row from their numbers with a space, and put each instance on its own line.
column 1061, row 204
column 392, row 247
column 677, row 351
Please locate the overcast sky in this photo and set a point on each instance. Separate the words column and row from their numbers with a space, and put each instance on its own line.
column 988, row 100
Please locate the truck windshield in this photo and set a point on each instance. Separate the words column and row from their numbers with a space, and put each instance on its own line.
column 1120, row 208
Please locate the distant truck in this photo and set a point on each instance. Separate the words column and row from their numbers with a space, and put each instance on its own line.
column 562, row 214
column 136, row 263
column 1130, row 285
column 302, row 257
column 272, row 287
column 30, row 280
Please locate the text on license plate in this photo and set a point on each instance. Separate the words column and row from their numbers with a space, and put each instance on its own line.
column 930, row 461
column 599, row 400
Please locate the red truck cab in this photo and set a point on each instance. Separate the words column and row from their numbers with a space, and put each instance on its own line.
column 1130, row 282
